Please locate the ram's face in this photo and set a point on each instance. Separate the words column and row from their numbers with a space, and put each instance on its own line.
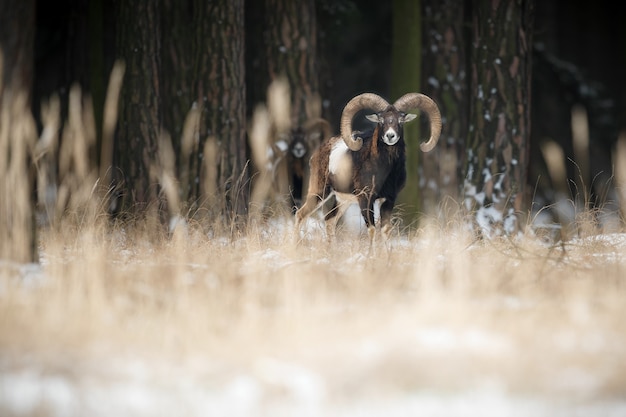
column 298, row 145
column 391, row 124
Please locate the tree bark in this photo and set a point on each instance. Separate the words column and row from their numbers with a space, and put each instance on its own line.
column 179, row 50
column 445, row 81
column 204, row 99
column 219, row 77
column 282, row 39
column 288, row 49
column 136, row 146
column 497, row 148
column 178, row 47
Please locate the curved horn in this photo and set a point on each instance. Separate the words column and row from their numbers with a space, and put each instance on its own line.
column 320, row 123
column 360, row 102
column 420, row 101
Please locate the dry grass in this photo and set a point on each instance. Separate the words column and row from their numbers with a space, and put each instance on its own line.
column 430, row 310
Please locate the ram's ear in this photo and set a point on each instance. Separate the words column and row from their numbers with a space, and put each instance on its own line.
column 409, row 117
column 373, row 118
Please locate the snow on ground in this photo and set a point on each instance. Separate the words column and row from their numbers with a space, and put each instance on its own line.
column 270, row 388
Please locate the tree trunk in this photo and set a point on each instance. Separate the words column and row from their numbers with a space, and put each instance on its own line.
column 204, row 103
column 406, row 74
column 445, row 81
column 138, row 43
column 180, row 48
column 282, row 38
column 97, row 68
column 497, row 148
column 288, row 49
column 219, row 77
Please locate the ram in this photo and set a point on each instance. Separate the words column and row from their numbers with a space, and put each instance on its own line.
column 299, row 146
column 280, row 155
column 364, row 167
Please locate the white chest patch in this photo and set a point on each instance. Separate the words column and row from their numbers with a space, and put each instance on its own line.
column 338, row 157
column 340, row 164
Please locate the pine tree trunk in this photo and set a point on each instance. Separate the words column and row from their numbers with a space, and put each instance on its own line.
column 445, row 81
column 204, row 98
column 97, row 68
column 138, row 43
column 282, row 39
column 289, row 49
column 179, row 47
column 219, row 77
column 497, row 148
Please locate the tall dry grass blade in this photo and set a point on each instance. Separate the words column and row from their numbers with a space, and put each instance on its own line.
column 554, row 157
column 259, row 134
column 7, row 205
column 165, row 172
column 109, row 121
column 268, row 127
column 1, row 74
column 18, row 136
column 89, row 124
column 5, row 127
column 77, row 171
column 313, row 107
column 278, row 104
column 209, row 179
column 189, row 143
column 190, row 131
column 51, row 121
column 580, row 137
column 619, row 161
column 259, row 138
column 78, row 144
column 45, row 159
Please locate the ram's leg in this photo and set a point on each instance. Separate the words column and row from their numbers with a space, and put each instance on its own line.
column 311, row 203
column 313, row 197
column 367, row 211
column 386, row 209
column 333, row 215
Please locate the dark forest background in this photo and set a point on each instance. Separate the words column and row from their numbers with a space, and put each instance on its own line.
column 225, row 53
